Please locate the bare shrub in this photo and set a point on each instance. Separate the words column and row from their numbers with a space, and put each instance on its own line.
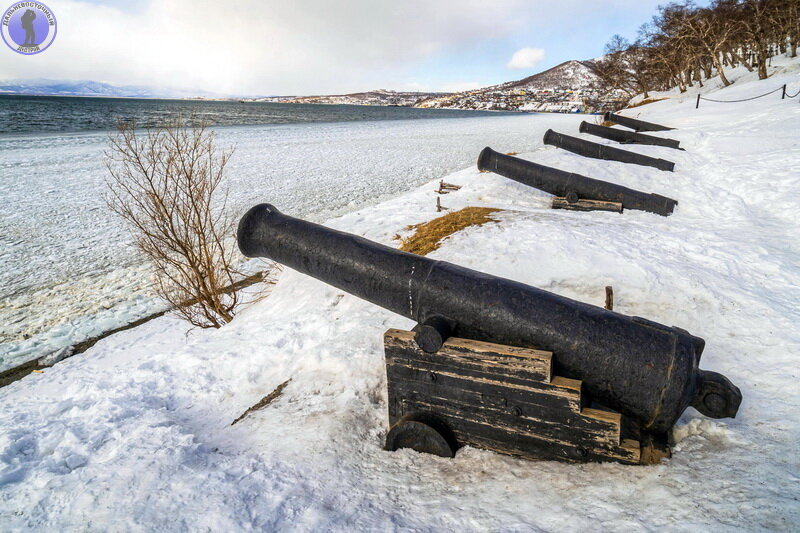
column 165, row 183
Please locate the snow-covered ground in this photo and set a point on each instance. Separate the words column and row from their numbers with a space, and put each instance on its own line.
column 66, row 273
column 135, row 435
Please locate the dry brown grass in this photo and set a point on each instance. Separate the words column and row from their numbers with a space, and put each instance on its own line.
column 429, row 235
column 645, row 102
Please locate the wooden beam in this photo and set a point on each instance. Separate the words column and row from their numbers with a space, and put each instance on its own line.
column 586, row 205
column 502, row 398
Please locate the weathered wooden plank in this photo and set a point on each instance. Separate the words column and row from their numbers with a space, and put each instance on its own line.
column 520, row 410
column 564, row 400
column 484, row 432
column 516, row 404
column 478, row 402
column 502, row 398
column 520, row 378
column 499, row 354
column 586, row 205
column 654, row 448
column 578, row 432
column 470, row 352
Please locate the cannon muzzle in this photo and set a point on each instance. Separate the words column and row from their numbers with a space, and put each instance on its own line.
column 627, row 137
column 633, row 123
column 567, row 184
column 643, row 369
column 601, row 151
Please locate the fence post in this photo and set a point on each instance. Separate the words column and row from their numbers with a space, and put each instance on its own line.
column 784, row 92
column 697, row 105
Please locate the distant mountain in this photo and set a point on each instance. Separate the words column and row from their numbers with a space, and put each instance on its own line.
column 567, row 88
column 45, row 87
column 376, row 97
column 575, row 74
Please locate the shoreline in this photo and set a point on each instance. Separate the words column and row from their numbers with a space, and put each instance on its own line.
column 307, row 169
column 15, row 373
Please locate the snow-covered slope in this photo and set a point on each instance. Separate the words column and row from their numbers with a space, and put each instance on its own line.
column 567, row 87
column 45, row 87
column 376, row 97
column 575, row 74
column 135, row 434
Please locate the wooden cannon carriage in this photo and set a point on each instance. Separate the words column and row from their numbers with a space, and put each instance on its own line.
column 504, row 399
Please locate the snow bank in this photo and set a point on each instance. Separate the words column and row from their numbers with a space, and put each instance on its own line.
column 135, row 434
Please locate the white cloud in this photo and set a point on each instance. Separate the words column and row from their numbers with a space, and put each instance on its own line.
column 259, row 46
column 525, row 58
column 294, row 47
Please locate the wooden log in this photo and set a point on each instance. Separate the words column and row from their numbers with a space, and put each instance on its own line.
column 446, row 188
column 586, row 205
column 502, row 398
column 18, row 372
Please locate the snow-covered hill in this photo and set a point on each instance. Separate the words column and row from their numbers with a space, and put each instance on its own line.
column 135, row 434
column 575, row 74
column 45, row 87
column 376, row 97
column 568, row 87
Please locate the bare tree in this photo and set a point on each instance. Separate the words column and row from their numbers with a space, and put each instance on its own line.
column 756, row 21
column 626, row 67
column 165, row 183
column 712, row 32
column 686, row 44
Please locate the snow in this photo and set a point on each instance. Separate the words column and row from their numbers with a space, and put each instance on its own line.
column 135, row 434
column 66, row 272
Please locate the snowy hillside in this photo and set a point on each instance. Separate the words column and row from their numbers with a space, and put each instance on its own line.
column 45, row 87
column 568, row 88
column 575, row 74
column 376, row 97
column 135, row 434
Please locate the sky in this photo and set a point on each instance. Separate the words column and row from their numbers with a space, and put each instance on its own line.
column 303, row 47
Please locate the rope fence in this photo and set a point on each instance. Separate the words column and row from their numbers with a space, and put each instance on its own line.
column 783, row 96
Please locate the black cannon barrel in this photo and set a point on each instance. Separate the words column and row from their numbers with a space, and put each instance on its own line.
column 601, row 151
column 644, row 369
column 633, row 123
column 567, row 184
column 627, row 137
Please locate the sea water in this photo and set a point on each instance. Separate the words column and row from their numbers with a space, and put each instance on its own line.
column 67, row 267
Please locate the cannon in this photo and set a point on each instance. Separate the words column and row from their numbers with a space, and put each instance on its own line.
column 633, row 123
column 572, row 186
column 643, row 369
column 627, row 137
column 601, row 151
